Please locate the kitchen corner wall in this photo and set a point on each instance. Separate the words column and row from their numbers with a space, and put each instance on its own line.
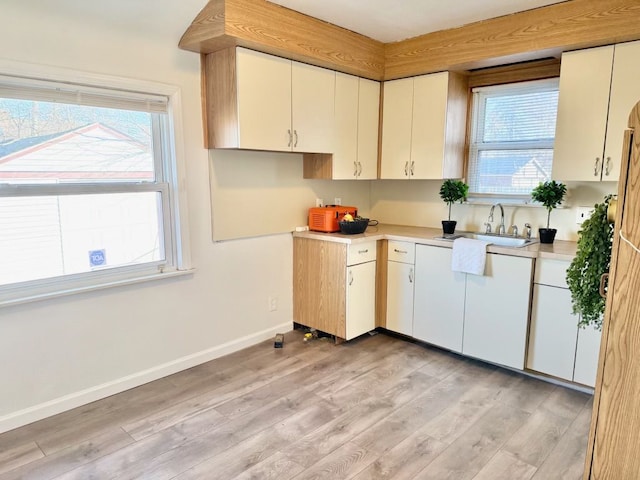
column 417, row 202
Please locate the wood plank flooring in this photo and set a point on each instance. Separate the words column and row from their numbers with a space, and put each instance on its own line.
column 377, row 407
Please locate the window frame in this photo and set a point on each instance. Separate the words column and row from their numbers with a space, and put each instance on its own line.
column 167, row 142
column 474, row 107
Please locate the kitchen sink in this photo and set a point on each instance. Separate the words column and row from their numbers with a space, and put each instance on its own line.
column 494, row 238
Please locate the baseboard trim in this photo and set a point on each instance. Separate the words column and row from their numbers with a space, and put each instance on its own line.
column 82, row 397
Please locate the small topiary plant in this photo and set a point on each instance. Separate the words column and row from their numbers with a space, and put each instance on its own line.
column 550, row 194
column 592, row 259
column 453, row 191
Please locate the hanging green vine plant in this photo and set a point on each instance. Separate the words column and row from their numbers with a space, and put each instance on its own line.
column 592, row 259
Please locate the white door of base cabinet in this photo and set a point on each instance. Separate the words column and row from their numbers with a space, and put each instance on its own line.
column 553, row 332
column 264, row 101
column 497, row 311
column 587, row 354
column 400, row 281
column 361, row 293
column 312, row 108
column 396, row 129
column 439, row 293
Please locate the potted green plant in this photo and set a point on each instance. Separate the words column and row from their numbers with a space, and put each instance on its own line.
column 550, row 194
column 593, row 257
column 452, row 191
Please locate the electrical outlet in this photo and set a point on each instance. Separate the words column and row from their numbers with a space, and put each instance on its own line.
column 582, row 214
column 273, row 303
column 337, row 201
column 319, row 202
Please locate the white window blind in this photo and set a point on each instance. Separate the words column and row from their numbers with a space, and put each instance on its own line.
column 512, row 135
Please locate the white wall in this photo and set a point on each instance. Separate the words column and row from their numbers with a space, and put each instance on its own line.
column 60, row 353
column 417, row 202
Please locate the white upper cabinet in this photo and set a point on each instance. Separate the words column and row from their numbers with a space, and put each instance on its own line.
column 423, row 127
column 264, row 101
column 312, row 107
column 598, row 88
column 355, row 132
column 257, row 101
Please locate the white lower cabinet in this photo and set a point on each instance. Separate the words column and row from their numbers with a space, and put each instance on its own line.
column 361, row 292
column 497, row 311
column 557, row 346
column 438, row 312
column 400, row 287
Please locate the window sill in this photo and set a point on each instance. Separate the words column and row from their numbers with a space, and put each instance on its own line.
column 90, row 288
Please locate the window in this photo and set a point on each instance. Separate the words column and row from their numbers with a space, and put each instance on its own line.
column 86, row 187
column 512, row 132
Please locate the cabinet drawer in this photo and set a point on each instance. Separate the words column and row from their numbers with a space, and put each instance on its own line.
column 361, row 252
column 404, row 252
column 551, row 272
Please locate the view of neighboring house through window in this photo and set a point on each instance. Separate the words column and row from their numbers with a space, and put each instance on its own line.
column 83, row 187
column 512, row 134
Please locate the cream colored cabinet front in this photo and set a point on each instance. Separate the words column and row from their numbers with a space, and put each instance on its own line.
column 361, row 291
column 438, row 312
column 557, row 346
column 400, row 283
column 423, row 127
column 281, row 105
column 497, row 311
column 355, row 146
column 598, row 88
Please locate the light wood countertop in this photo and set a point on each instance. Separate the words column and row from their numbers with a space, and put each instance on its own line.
column 559, row 250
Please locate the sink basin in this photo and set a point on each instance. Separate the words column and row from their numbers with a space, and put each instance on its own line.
column 495, row 239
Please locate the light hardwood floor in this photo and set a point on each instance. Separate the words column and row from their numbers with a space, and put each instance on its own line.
column 374, row 408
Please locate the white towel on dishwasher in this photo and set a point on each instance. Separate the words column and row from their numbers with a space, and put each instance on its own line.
column 469, row 256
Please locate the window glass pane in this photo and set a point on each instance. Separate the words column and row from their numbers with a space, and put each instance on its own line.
column 46, row 142
column 523, row 117
column 511, row 171
column 49, row 236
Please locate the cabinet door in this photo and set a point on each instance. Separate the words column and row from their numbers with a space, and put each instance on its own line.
column 438, row 312
column 361, row 292
column 553, row 332
column 428, row 127
column 625, row 92
column 497, row 310
column 264, row 101
column 587, row 355
column 396, row 129
column 400, row 278
column 583, row 102
column 368, row 124
column 312, row 109
column 345, row 140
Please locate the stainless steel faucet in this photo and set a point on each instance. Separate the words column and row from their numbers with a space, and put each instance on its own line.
column 514, row 230
column 501, row 229
column 527, row 230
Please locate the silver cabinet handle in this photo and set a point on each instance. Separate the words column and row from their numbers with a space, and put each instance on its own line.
column 411, row 275
column 363, row 251
column 295, row 134
column 355, row 169
column 406, row 169
column 596, row 167
column 359, row 169
column 290, row 138
column 412, row 164
column 607, row 168
column 350, row 277
column 399, row 251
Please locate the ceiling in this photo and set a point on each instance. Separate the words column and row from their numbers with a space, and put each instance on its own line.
column 394, row 20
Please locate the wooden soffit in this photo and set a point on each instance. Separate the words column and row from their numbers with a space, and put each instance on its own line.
column 540, row 33
column 277, row 30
